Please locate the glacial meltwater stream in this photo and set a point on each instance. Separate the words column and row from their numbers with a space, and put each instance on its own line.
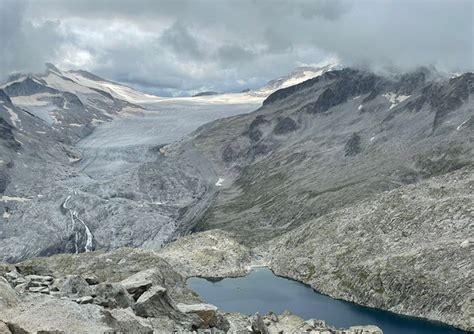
column 261, row 291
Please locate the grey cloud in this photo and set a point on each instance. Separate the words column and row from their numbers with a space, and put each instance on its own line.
column 134, row 66
column 328, row 9
column 277, row 40
column 234, row 54
column 189, row 44
column 198, row 10
column 25, row 47
column 181, row 41
column 403, row 34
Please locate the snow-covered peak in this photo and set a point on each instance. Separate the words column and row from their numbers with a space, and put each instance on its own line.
column 51, row 68
column 80, row 81
column 299, row 75
column 119, row 91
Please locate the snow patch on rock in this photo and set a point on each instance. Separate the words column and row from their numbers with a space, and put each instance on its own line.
column 13, row 199
column 395, row 99
column 13, row 117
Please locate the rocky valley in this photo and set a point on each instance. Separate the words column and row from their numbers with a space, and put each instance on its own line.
column 356, row 183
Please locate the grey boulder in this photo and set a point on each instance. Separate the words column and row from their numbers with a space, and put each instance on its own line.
column 75, row 286
column 154, row 303
column 112, row 295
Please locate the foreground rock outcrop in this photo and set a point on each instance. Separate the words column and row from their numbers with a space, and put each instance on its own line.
column 59, row 294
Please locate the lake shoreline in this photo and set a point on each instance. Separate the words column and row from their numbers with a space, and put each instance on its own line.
column 255, row 269
column 216, row 255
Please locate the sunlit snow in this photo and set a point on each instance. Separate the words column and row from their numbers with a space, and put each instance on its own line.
column 219, row 182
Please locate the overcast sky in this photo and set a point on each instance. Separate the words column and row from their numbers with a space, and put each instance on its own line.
column 174, row 46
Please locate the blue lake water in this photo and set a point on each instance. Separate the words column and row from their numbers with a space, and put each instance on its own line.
column 261, row 291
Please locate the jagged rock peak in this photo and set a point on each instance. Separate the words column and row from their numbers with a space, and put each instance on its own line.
column 51, row 67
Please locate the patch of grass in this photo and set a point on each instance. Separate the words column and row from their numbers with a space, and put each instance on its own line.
column 311, row 270
column 441, row 161
column 363, row 275
column 313, row 193
column 380, row 290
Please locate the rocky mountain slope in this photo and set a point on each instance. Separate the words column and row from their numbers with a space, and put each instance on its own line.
column 330, row 142
column 408, row 250
column 356, row 183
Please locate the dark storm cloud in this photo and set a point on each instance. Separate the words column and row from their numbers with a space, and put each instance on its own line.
column 181, row 41
column 234, row 54
column 197, row 10
column 404, row 34
column 229, row 45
